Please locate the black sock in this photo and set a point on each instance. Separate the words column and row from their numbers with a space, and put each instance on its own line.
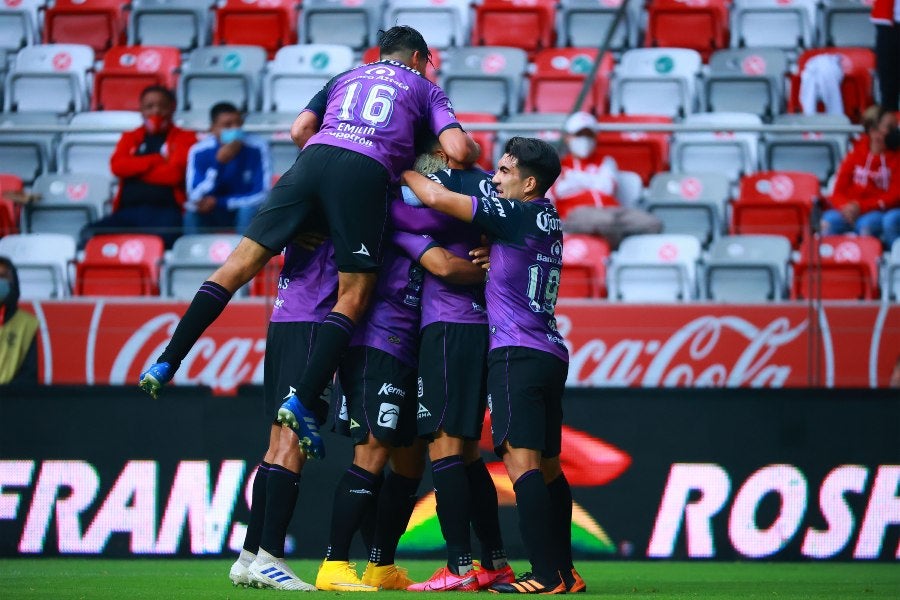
column 356, row 494
column 369, row 523
column 484, row 517
column 257, row 509
column 561, row 499
column 538, row 531
column 451, row 488
column 208, row 303
column 395, row 505
column 282, row 488
column 332, row 340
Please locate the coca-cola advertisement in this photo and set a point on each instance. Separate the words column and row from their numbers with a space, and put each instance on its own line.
column 837, row 345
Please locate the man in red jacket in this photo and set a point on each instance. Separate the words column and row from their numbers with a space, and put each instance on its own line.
column 150, row 163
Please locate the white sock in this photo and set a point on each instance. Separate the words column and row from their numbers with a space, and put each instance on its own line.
column 246, row 557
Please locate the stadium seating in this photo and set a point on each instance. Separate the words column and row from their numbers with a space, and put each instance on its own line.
column 42, row 260
column 192, row 259
column 656, row 81
column 526, row 25
column 484, row 79
column 811, row 151
column 584, row 266
column 700, row 25
column 119, row 265
column 99, row 24
column 27, row 155
column 9, row 210
column 586, row 23
column 485, row 139
column 733, row 153
column 270, row 24
column 443, row 23
column 19, row 24
column 847, row 23
column 184, row 24
column 856, row 88
column 67, row 202
column 644, row 153
column 786, row 24
column 746, row 80
column 775, row 202
column 49, row 78
column 353, row 24
column 127, row 70
column 283, row 149
column 557, row 78
column 891, row 287
column 216, row 73
column 654, row 268
column 690, row 203
column 299, row 72
column 552, row 134
column 746, row 268
column 837, row 267
column 83, row 152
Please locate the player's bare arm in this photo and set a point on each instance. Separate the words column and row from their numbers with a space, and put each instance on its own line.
column 436, row 196
column 304, row 126
column 459, row 146
column 444, row 264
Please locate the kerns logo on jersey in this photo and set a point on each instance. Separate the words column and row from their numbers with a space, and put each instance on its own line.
column 547, row 222
column 388, row 389
column 388, row 415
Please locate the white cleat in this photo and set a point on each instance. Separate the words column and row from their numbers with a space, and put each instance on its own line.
column 239, row 574
column 276, row 575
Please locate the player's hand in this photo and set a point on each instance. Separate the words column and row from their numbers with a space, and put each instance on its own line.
column 227, row 152
column 310, row 240
column 850, row 212
column 206, row 204
column 481, row 255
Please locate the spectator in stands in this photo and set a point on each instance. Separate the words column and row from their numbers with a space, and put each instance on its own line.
column 18, row 329
column 866, row 196
column 150, row 163
column 228, row 174
column 584, row 194
column 886, row 17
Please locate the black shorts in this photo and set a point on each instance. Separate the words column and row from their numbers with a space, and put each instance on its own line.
column 452, row 379
column 351, row 191
column 288, row 346
column 377, row 397
column 525, row 389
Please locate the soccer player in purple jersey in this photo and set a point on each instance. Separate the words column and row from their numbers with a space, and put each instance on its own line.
column 307, row 287
column 378, row 375
column 357, row 135
column 528, row 360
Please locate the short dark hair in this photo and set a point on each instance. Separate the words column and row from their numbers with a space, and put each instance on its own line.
column 426, row 143
column 401, row 39
column 535, row 158
column 221, row 108
column 160, row 89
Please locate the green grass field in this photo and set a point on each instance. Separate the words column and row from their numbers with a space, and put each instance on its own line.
column 64, row 579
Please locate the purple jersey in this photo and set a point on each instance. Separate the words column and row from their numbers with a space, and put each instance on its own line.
column 391, row 323
column 307, row 285
column 523, row 283
column 378, row 109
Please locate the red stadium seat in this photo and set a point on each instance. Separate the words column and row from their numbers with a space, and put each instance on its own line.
column 127, row 70
column 856, row 88
column 645, row 153
column 584, row 266
column 845, row 268
column 270, row 24
column 9, row 210
column 525, row 24
column 431, row 71
column 775, row 202
column 485, row 139
column 120, row 265
column 99, row 24
column 700, row 25
column 266, row 281
column 559, row 75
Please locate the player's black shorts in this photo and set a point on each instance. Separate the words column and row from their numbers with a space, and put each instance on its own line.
column 452, row 386
column 288, row 346
column 351, row 190
column 525, row 389
column 380, row 397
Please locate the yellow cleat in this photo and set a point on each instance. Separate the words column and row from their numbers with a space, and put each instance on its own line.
column 340, row 576
column 386, row 577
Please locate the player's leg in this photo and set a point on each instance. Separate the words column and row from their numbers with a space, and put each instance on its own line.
column 561, row 501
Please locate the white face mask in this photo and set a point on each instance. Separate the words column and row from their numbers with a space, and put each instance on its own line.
column 582, row 146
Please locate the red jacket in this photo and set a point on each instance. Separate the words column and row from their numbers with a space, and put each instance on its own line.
column 153, row 168
column 871, row 180
column 883, row 12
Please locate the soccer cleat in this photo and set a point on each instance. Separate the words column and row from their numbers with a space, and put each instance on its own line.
column 386, row 577
column 340, row 576
column 276, row 575
column 576, row 584
column 528, row 584
column 302, row 420
column 445, row 580
column 488, row 577
column 158, row 375
column 239, row 574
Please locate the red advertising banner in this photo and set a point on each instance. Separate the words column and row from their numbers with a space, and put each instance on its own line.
column 103, row 341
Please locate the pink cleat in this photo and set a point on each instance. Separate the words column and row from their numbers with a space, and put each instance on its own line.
column 488, row 577
column 444, row 580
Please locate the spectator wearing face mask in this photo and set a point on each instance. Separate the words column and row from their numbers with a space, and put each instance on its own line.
column 150, row 162
column 585, row 192
column 228, row 174
column 18, row 329
column 866, row 196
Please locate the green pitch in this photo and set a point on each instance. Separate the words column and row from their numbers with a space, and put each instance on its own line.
column 64, row 579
